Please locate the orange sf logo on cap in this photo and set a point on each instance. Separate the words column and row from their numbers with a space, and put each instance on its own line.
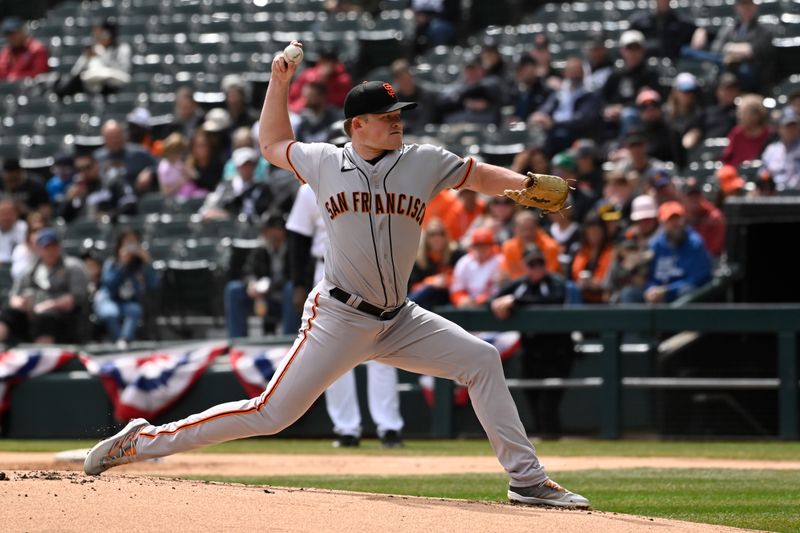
column 389, row 89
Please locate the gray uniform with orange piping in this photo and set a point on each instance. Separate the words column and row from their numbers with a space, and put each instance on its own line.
column 359, row 311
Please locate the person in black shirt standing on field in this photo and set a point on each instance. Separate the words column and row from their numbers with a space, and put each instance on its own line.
column 544, row 355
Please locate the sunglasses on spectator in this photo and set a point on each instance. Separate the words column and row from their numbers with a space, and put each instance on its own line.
column 535, row 263
column 634, row 46
column 650, row 104
column 436, row 234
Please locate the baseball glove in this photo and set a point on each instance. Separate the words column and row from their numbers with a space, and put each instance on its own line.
column 548, row 193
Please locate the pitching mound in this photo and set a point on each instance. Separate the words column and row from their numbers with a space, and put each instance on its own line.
column 69, row 501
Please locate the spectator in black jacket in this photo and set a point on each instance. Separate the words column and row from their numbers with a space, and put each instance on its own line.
column 717, row 120
column 264, row 275
column 569, row 113
column 27, row 191
column 665, row 31
column 655, row 129
column 625, row 83
column 531, row 92
column 90, row 198
column 744, row 48
column 544, row 355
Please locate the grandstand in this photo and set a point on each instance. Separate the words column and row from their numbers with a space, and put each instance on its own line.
column 198, row 42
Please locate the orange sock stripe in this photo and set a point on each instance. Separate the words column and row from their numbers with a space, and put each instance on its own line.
column 466, row 174
column 289, row 159
column 255, row 408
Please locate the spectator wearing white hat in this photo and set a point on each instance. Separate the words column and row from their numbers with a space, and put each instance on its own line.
column 625, row 83
column 644, row 219
column 240, row 196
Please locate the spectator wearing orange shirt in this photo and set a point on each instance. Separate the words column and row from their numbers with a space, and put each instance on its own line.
column 592, row 261
column 23, row 56
column 463, row 213
column 527, row 232
column 439, row 206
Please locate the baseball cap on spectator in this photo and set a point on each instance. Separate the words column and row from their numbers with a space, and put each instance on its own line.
column 630, row 38
column 244, row 155
column 686, row 82
column 565, row 160
column 643, row 208
column 729, row 179
column 646, row 96
column 12, row 25
column 584, row 148
column 635, row 136
column 139, row 116
column 669, row 210
column 659, row 178
column 610, row 212
column 482, row 236
column 47, row 236
column 533, row 256
column 217, row 120
column 11, row 164
column 373, row 97
column 788, row 116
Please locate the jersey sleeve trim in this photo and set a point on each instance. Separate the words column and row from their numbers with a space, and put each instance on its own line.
column 289, row 159
column 470, row 165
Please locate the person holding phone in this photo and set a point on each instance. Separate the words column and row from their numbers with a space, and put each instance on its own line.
column 125, row 280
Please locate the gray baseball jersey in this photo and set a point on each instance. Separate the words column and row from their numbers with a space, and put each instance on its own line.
column 373, row 215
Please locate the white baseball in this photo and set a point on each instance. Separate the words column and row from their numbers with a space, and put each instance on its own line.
column 293, row 53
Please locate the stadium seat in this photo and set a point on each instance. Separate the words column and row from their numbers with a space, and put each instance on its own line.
column 82, row 229
column 190, row 289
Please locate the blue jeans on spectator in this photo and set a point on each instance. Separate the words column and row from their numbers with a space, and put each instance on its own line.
column 290, row 322
column 238, row 305
column 429, row 297
column 120, row 318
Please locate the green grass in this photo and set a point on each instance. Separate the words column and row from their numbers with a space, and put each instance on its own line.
column 789, row 451
column 741, row 498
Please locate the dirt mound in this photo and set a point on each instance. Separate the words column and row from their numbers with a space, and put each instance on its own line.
column 69, row 501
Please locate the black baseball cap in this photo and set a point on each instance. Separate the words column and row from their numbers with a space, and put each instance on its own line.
column 373, row 97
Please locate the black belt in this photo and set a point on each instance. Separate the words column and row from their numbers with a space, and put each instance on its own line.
column 380, row 314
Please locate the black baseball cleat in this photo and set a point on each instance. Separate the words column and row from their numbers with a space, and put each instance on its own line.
column 346, row 441
column 547, row 493
column 391, row 439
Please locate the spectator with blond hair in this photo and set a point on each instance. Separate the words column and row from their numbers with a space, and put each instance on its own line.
column 430, row 279
column 748, row 138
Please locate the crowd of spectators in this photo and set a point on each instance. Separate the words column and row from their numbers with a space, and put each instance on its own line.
column 641, row 227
